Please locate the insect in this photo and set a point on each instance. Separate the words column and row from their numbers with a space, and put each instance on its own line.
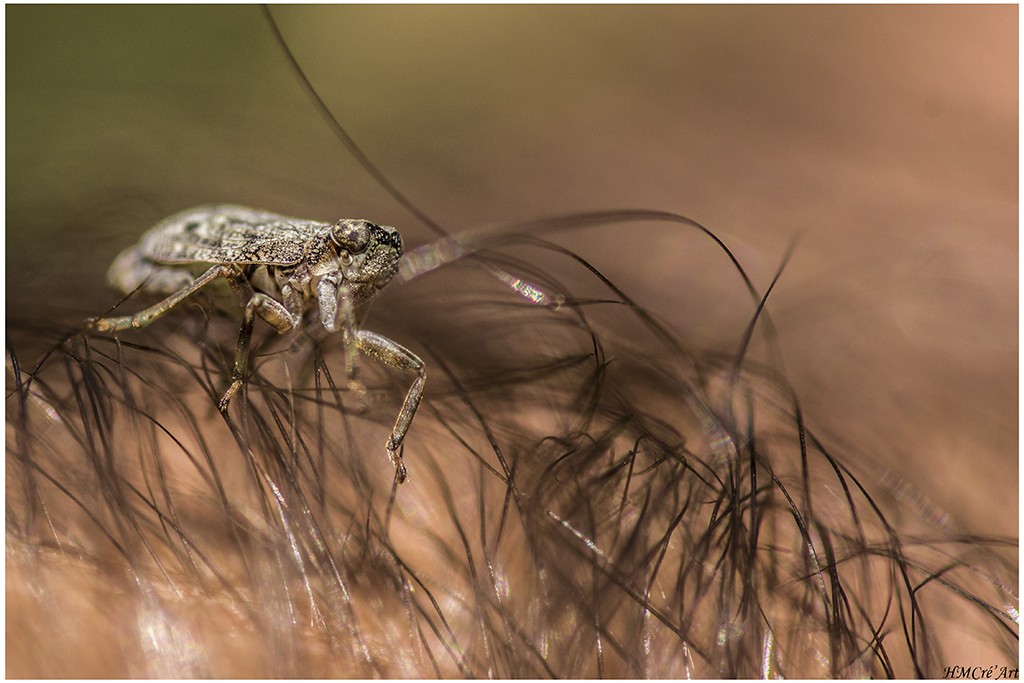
column 280, row 268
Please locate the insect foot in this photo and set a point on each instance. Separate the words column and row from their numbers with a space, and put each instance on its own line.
column 362, row 395
column 395, row 456
column 225, row 400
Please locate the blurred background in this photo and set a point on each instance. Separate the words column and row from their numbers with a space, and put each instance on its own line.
column 883, row 140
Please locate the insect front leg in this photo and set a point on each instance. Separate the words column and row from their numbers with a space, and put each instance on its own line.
column 397, row 356
column 337, row 312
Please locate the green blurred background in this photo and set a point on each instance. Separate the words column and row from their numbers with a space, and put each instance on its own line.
column 885, row 137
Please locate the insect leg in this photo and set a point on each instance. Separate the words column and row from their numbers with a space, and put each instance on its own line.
column 145, row 317
column 276, row 314
column 337, row 312
column 397, row 356
column 256, row 303
column 348, row 336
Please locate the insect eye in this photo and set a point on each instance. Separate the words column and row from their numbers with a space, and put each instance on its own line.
column 351, row 236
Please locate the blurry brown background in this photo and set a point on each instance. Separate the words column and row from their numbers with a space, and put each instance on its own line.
column 885, row 138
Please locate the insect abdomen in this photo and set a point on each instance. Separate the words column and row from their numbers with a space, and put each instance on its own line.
column 132, row 270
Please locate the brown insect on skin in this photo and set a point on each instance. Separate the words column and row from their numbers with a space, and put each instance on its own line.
column 280, row 268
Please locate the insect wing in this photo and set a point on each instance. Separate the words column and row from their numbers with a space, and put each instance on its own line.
column 229, row 234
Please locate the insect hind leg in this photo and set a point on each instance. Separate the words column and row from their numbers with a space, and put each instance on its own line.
column 145, row 317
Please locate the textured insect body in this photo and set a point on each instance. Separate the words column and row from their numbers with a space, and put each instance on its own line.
column 363, row 254
column 280, row 267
